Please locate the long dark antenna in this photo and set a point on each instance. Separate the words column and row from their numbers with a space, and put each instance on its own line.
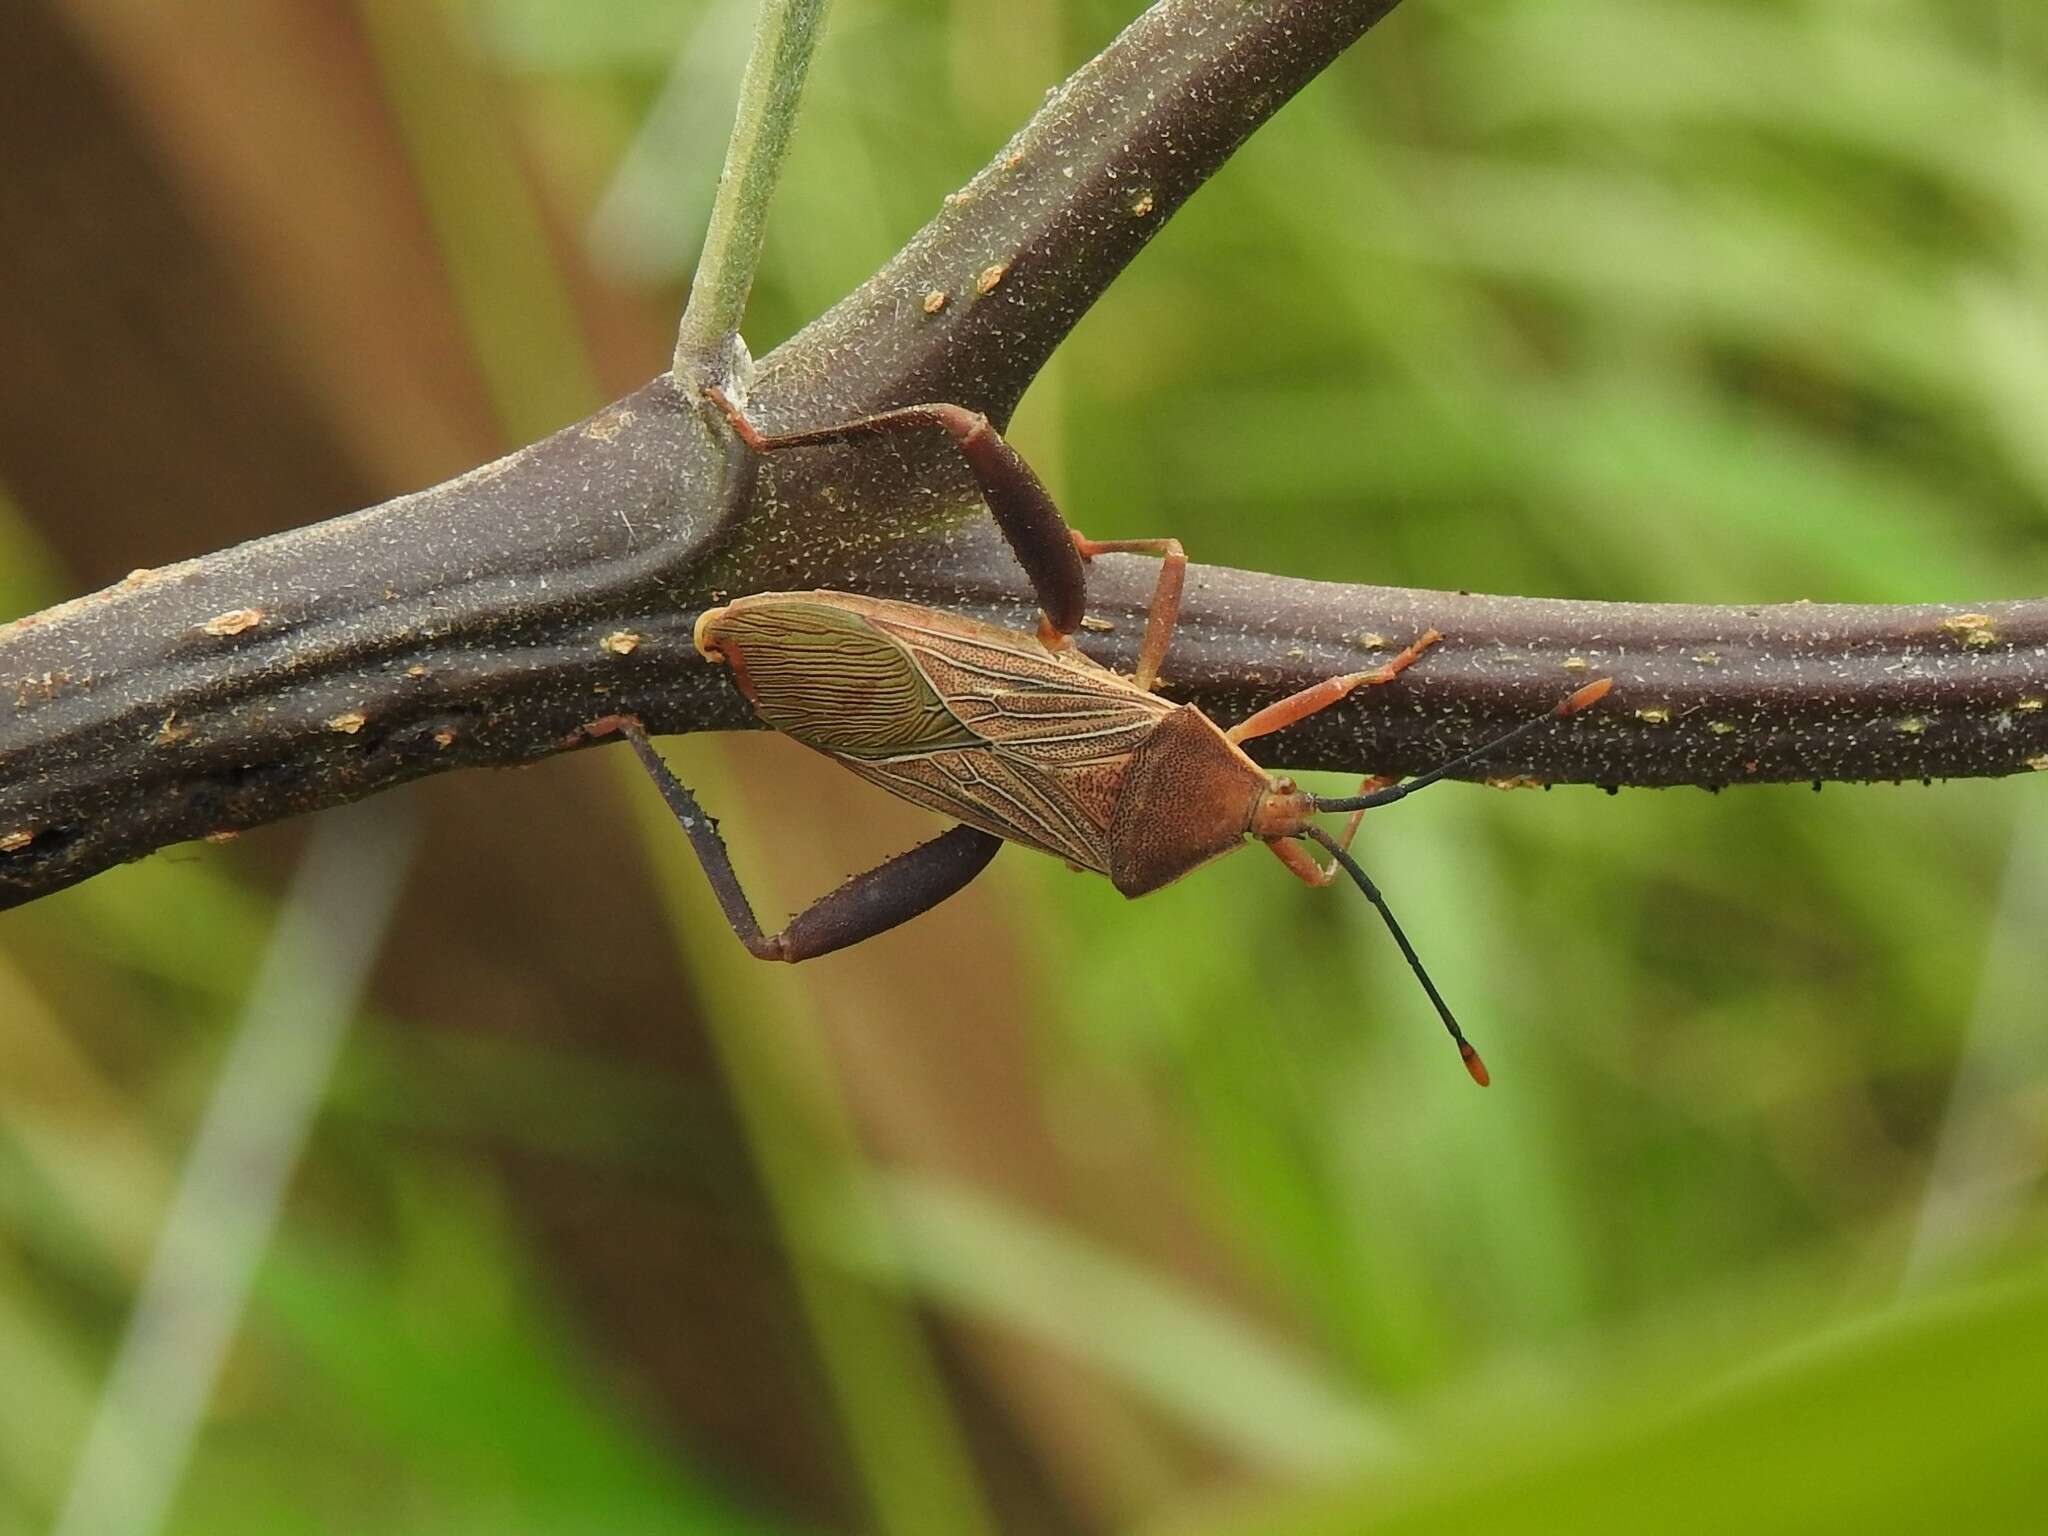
column 1473, row 1063
column 1585, row 698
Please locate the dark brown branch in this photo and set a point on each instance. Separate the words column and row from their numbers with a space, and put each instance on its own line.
column 482, row 623
column 1061, row 210
column 1704, row 695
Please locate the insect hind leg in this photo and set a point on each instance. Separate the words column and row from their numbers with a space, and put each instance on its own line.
column 1023, row 508
column 869, row 904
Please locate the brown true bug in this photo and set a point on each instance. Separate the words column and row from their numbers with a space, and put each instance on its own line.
column 1020, row 738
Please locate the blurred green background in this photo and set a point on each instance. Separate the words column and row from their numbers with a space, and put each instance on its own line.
column 443, row 1165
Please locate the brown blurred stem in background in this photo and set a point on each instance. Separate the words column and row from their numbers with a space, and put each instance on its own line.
column 483, row 622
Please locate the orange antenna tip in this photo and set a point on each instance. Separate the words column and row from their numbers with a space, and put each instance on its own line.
column 1474, row 1064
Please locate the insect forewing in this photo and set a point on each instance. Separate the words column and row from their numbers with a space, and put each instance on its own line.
column 969, row 720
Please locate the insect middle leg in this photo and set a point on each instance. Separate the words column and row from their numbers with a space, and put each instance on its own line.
column 1319, row 696
column 1164, row 610
column 867, row 905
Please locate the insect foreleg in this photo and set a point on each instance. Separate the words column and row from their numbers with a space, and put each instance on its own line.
column 1303, row 863
column 869, row 904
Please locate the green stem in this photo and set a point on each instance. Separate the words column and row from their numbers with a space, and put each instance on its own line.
column 784, row 38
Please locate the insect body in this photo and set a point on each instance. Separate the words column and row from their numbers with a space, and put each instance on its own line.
column 1044, row 748
column 1019, row 737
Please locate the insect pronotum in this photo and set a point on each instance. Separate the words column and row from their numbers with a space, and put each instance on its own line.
column 1020, row 737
